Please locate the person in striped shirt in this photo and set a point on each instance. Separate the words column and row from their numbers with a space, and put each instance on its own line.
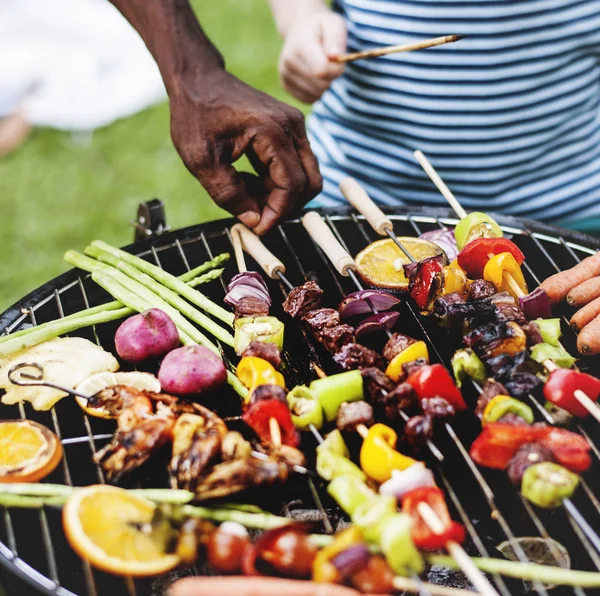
column 510, row 116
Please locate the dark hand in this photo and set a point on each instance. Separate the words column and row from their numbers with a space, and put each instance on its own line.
column 215, row 120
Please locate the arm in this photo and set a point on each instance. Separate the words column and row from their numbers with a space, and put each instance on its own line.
column 312, row 35
column 216, row 118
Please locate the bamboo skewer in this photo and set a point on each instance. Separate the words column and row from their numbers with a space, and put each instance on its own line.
column 590, row 405
column 406, row 47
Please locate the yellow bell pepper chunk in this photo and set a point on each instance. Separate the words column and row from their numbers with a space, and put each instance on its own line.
column 454, row 280
column 414, row 352
column 378, row 456
column 323, row 569
column 504, row 272
column 254, row 372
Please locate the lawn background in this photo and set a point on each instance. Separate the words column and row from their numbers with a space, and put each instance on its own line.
column 60, row 191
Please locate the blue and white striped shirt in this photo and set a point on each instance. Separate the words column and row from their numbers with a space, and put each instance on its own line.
column 510, row 116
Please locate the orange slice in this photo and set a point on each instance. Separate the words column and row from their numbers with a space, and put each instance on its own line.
column 113, row 529
column 28, row 451
column 381, row 263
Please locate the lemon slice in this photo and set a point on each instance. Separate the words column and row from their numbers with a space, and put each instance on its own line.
column 114, row 530
column 28, row 451
column 381, row 264
column 100, row 381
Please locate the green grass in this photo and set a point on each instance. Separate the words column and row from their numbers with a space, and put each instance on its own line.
column 61, row 191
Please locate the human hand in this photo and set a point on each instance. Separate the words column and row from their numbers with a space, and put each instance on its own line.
column 311, row 40
column 215, row 119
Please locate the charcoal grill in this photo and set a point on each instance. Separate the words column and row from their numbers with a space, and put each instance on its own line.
column 32, row 544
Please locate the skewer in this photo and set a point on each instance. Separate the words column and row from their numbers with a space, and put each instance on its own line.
column 344, row 263
column 406, row 47
column 589, row 404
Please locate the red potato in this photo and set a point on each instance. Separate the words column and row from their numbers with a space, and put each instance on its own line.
column 149, row 334
column 588, row 341
column 191, row 370
column 585, row 292
column 560, row 284
column 585, row 315
column 255, row 586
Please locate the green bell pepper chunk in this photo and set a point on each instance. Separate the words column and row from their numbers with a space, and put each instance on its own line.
column 305, row 408
column 501, row 405
column 465, row 363
column 548, row 484
column 372, row 517
column 473, row 226
column 335, row 443
column 557, row 354
column 398, row 547
column 249, row 329
column 350, row 493
column 331, row 464
column 334, row 390
column 550, row 330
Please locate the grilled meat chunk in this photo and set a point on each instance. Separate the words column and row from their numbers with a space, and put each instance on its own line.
column 527, row 455
column 511, row 418
column 333, row 338
column 491, row 340
column 353, row 356
column 350, row 415
column 320, row 319
column 418, row 430
column 376, row 384
column 509, row 312
column 412, row 367
column 396, row 344
column 263, row 392
column 302, row 299
column 521, row 384
column 481, row 289
column 437, row 409
column 441, row 306
column 533, row 334
column 490, row 389
column 234, row 446
column 265, row 350
column 251, row 306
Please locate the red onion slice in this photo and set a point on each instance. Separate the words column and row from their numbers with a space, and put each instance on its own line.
column 536, row 305
column 376, row 321
column 351, row 560
column 356, row 303
column 248, row 283
column 411, row 268
column 402, row 482
column 445, row 240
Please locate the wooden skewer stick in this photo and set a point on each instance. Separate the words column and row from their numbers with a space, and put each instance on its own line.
column 406, row 47
column 589, row 404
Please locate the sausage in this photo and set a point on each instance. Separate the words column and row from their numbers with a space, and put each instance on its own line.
column 560, row 284
column 255, row 586
column 585, row 315
column 585, row 292
column 588, row 341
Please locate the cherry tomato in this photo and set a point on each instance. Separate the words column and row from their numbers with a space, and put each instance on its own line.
column 375, row 578
column 225, row 550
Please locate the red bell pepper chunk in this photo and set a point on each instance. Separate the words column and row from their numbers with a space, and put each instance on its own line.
column 422, row 282
column 258, row 415
column 433, row 380
column 421, row 533
column 474, row 257
column 498, row 442
column 570, row 449
column 561, row 386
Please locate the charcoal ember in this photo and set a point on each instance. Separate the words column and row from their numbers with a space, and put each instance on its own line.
column 263, row 392
column 481, row 289
column 396, row 344
column 437, row 409
column 376, row 385
column 509, row 312
column 265, row 350
column 402, row 398
column 533, row 334
column 512, row 418
column 490, row 389
column 302, row 299
column 321, row 318
column 333, row 338
column 251, row 306
column 523, row 384
column 418, row 430
column 350, row 415
column 410, row 368
column 353, row 356
column 527, row 455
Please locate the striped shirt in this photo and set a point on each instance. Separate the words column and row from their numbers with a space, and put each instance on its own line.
column 509, row 116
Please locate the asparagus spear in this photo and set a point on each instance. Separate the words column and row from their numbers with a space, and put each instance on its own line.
column 106, row 261
column 168, row 280
column 212, row 264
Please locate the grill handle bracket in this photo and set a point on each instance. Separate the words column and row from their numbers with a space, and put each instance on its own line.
column 151, row 220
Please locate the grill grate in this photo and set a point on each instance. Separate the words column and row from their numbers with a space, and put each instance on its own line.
column 486, row 503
